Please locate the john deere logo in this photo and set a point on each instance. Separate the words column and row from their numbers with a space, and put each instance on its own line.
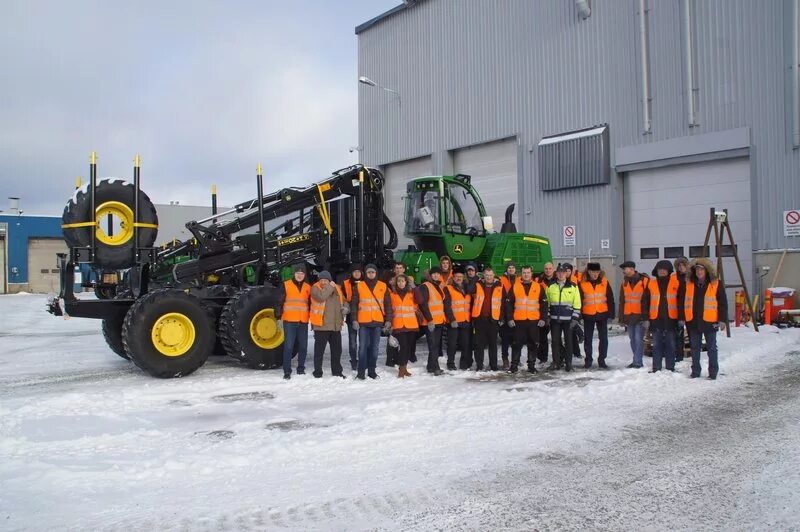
column 458, row 248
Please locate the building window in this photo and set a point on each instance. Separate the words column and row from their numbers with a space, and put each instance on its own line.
column 648, row 253
column 725, row 251
column 575, row 159
column 673, row 252
column 55, row 270
column 44, row 270
column 698, row 252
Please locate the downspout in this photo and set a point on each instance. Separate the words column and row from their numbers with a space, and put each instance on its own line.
column 645, row 59
column 688, row 34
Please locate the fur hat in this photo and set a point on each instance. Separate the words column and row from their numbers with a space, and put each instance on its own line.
column 711, row 271
column 593, row 267
column 662, row 265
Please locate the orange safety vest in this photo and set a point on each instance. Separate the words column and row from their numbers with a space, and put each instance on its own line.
column 445, row 278
column 318, row 308
column 594, row 297
column 295, row 306
column 710, row 309
column 506, row 282
column 435, row 305
column 460, row 304
column 348, row 289
column 633, row 296
column 477, row 304
column 526, row 307
column 404, row 311
column 370, row 306
column 672, row 298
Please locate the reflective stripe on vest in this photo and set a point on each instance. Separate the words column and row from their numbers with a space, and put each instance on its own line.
column 594, row 297
column 370, row 306
column 435, row 305
column 672, row 298
column 633, row 297
column 480, row 295
column 460, row 304
column 710, row 308
column 404, row 311
column 295, row 306
column 526, row 306
column 318, row 308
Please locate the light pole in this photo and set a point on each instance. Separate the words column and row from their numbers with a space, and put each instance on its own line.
column 366, row 81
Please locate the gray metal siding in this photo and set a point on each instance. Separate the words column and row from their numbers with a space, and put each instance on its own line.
column 470, row 71
column 575, row 162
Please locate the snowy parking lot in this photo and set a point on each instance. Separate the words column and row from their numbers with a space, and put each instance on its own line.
column 88, row 441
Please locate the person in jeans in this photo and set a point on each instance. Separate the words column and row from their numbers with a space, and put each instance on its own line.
column 434, row 304
column 328, row 309
column 547, row 277
column 705, row 307
column 631, row 312
column 350, row 286
column 661, row 300
column 374, row 313
column 293, row 314
column 564, row 301
column 405, row 322
column 597, row 308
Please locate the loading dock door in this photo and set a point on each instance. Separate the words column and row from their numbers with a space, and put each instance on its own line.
column 42, row 264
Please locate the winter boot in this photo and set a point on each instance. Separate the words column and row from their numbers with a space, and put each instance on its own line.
column 513, row 368
column 505, row 363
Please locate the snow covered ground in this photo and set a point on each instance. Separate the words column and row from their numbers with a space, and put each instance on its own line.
column 87, row 441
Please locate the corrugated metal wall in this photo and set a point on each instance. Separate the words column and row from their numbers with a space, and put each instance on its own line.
column 470, row 71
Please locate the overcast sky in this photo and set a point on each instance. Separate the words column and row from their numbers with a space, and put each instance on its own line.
column 203, row 90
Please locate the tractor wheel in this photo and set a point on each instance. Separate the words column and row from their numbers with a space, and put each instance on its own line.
column 112, row 332
column 249, row 329
column 169, row 333
column 112, row 197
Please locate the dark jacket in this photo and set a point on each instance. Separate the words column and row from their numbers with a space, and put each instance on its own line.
column 662, row 321
column 386, row 304
column 612, row 308
column 511, row 300
column 631, row 319
column 282, row 296
column 699, row 296
column 421, row 297
column 402, row 293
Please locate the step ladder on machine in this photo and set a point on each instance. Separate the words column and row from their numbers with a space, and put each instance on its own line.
column 718, row 222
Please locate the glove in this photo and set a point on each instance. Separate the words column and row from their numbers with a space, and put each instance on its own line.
column 646, row 324
column 454, row 325
column 393, row 342
column 574, row 323
column 681, row 324
column 722, row 326
column 500, row 323
column 387, row 327
column 431, row 326
column 512, row 323
column 280, row 324
column 356, row 325
column 541, row 323
column 345, row 310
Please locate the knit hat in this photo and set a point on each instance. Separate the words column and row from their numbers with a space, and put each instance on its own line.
column 356, row 266
column 459, row 269
column 628, row 264
column 324, row 274
column 510, row 263
column 593, row 267
column 372, row 267
column 299, row 268
column 435, row 269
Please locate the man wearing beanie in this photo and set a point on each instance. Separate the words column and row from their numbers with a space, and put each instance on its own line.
column 293, row 316
column 373, row 305
column 328, row 309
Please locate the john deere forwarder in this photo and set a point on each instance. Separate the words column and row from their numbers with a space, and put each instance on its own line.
column 216, row 292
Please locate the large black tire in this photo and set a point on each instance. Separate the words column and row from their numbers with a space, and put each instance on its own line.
column 112, row 332
column 78, row 210
column 190, row 351
column 237, row 320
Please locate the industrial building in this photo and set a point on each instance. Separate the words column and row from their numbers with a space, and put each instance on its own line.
column 619, row 122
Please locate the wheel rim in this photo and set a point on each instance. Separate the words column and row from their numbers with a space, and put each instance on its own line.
column 264, row 331
column 173, row 334
column 121, row 212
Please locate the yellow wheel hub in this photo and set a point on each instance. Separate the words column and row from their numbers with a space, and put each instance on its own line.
column 173, row 334
column 264, row 331
column 119, row 211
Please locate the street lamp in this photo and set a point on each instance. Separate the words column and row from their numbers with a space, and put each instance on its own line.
column 366, row 81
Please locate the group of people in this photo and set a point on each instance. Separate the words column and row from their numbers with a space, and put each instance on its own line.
column 459, row 310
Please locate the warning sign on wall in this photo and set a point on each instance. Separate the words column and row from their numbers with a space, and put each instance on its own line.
column 791, row 223
column 569, row 235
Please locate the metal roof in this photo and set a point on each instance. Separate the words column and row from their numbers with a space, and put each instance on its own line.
column 373, row 21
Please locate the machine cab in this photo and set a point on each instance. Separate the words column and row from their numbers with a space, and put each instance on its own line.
column 445, row 215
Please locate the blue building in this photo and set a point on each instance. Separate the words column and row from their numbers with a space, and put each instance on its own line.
column 28, row 247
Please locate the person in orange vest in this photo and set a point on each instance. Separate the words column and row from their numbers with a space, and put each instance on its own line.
column 597, row 308
column 632, row 313
column 488, row 313
column 527, row 307
column 434, row 304
column 328, row 309
column 460, row 330
column 405, row 322
column 575, row 278
column 293, row 316
column 446, row 266
column 506, row 334
column 660, row 301
column 682, row 272
column 545, row 279
column 350, row 285
column 704, row 309
column 398, row 269
column 374, row 313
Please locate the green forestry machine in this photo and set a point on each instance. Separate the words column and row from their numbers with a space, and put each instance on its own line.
column 444, row 215
column 215, row 293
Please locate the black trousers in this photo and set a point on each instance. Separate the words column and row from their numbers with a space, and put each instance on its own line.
column 434, row 339
column 459, row 338
column 544, row 343
column 486, row 336
column 321, row 340
column 506, row 340
column 602, row 333
column 561, row 336
column 408, row 347
column 391, row 354
column 526, row 333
